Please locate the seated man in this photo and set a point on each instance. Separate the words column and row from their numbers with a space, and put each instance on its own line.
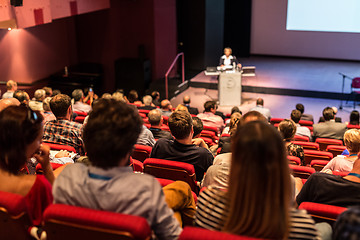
column 11, row 87
column 209, row 118
column 147, row 99
column 111, row 184
column 37, row 103
column 156, row 122
column 79, row 106
column 261, row 109
column 22, row 96
column 331, row 189
column 186, row 102
column 182, row 148
column 166, row 107
column 304, row 116
column 197, row 126
column 62, row 130
column 329, row 128
column 337, row 119
column 300, row 130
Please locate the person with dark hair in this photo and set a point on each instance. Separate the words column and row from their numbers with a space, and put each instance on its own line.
column 156, row 121
column 48, row 91
column 133, row 97
column 235, row 109
column 197, row 126
column 184, row 148
column 79, row 105
column 20, row 140
column 261, row 109
column 209, row 118
column 337, row 119
column 347, row 225
column 55, row 92
column 300, row 130
column 329, row 128
column 22, row 96
column 62, row 130
column 186, row 102
column 287, row 129
column 156, row 98
column 354, row 118
column 257, row 202
column 305, row 117
column 111, row 184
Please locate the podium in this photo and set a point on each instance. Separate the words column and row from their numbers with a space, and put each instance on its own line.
column 230, row 88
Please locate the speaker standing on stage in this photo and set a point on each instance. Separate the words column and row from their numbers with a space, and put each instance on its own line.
column 227, row 59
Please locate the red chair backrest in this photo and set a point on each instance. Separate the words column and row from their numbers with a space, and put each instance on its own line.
column 209, row 128
column 316, row 155
column 294, row 160
column 355, row 82
column 39, row 169
column 322, row 212
column 301, row 138
column 14, row 221
column 225, row 135
column 301, row 171
column 70, row 222
column 193, row 233
column 324, row 142
column 165, row 120
column 136, row 165
column 56, row 146
column 306, row 123
column 335, row 150
column 349, row 126
column 307, row 145
column 142, row 115
column 318, row 165
column 141, row 152
column 172, row 170
column 209, row 134
column 208, row 141
column 144, row 111
column 81, row 113
column 80, row 119
column 342, row 174
column 273, row 121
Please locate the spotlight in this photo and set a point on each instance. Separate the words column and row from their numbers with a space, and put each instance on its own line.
column 9, row 29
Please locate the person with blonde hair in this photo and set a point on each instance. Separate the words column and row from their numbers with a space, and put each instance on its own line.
column 117, row 96
column 181, row 107
column 227, row 59
column 344, row 163
column 11, row 87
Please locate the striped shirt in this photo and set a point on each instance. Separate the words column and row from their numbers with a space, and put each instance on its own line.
column 213, row 210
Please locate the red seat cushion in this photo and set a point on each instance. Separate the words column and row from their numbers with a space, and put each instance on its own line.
column 171, row 164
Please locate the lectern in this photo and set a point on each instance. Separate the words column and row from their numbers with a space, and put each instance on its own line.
column 230, row 88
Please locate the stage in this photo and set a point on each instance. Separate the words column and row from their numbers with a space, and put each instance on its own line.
column 283, row 82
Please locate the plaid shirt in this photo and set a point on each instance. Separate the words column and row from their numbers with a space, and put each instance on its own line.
column 64, row 132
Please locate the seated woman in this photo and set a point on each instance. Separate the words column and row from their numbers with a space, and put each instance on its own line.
column 258, row 200
column 354, row 118
column 287, row 129
column 20, row 139
column 344, row 163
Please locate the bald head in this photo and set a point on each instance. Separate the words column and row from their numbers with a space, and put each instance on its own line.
column 166, row 105
column 4, row 103
column 186, row 99
column 155, row 118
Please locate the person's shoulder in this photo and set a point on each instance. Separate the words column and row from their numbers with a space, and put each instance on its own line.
column 73, row 170
column 162, row 142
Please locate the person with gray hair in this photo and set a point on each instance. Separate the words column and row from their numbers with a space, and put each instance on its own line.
column 11, row 87
column 36, row 104
column 147, row 99
column 156, row 121
column 79, row 106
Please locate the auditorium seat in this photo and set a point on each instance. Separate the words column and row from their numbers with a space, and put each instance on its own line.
column 274, row 121
column 301, row 138
column 318, row 165
column 316, row 155
column 349, row 126
column 142, row 115
column 342, row 174
column 39, row 169
column 14, row 220
column 225, row 135
column 84, row 114
column 144, row 111
column 141, row 152
column 136, row 165
column 322, row 212
column 164, row 182
column 301, row 171
column 193, row 233
column 307, row 145
column 335, row 149
column 209, row 128
column 324, row 142
column 165, row 120
column 165, row 128
column 172, row 170
column 208, row 141
column 294, row 160
column 209, row 134
column 80, row 119
column 306, row 123
column 74, row 223
column 58, row 147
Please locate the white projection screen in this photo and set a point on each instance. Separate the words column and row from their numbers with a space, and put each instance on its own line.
column 306, row 28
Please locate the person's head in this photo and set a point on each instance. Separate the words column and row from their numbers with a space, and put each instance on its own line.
column 186, row 99
column 354, row 117
column 260, row 101
column 118, row 96
column 166, row 105
column 118, row 125
column 60, row 106
column 234, row 121
column 155, row 95
column 22, row 96
column 46, row 104
column 11, row 85
column 147, row 100
column 48, row 91
column 20, row 137
column 197, row 126
column 78, row 95
column 295, row 116
column 133, row 96
column 4, row 103
column 287, row 129
column 180, row 124
column 40, row 95
column 347, row 225
column 56, row 92
column 181, row 107
column 328, row 113
column 300, row 107
column 259, row 183
column 155, row 118
column 227, row 51
column 106, row 96
column 352, row 140
column 252, row 116
column 235, row 109
column 210, row 106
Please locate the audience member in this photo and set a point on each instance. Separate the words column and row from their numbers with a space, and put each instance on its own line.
column 300, row 130
column 156, row 98
column 261, row 109
column 287, row 129
column 225, row 142
column 62, row 130
column 48, row 91
column 108, row 95
column 56, row 92
column 354, row 118
column 79, row 105
column 304, row 116
column 90, row 96
column 11, row 87
column 259, row 183
column 146, row 137
column 22, row 96
column 209, row 118
column 166, row 107
column 111, row 185
column 344, row 163
column 184, row 148
column 147, row 100
column 156, row 122
column 347, row 225
column 337, row 119
column 37, row 103
column 235, row 109
column 47, row 114
column 4, row 103
column 118, row 96
column 186, row 102
column 197, row 126
column 329, row 128
column 133, row 97
column 181, row 107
